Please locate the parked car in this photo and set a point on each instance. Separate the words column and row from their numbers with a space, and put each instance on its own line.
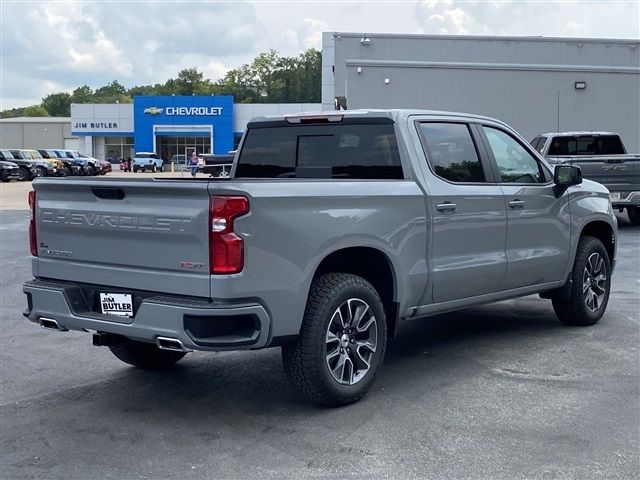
column 70, row 165
column 216, row 165
column 26, row 169
column 332, row 229
column 603, row 158
column 31, row 167
column 59, row 167
column 9, row 171
column 147, row 161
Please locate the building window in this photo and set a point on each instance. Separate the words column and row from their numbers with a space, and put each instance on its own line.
column 116, row 148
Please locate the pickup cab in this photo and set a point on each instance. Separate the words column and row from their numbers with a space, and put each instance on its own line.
column 147, row 161
column 602, row 157
column 331, row 230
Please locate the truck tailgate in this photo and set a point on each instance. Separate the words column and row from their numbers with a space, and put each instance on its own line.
column 140, row 234
column 619, row 173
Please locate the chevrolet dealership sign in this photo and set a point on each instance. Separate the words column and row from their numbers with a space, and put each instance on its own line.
column 185, row 111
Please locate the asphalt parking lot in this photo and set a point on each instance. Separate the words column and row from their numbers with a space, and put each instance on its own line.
column 499, row 391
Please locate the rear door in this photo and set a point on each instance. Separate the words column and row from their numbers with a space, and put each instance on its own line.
column 538, row 223
column 143, row 235
column 468, row 211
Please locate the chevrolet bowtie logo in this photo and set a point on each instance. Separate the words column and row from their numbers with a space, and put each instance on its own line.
column 153, row 110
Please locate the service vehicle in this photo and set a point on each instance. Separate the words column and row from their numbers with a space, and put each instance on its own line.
column 31, row 167
column 9, row 171
column 147, row 161
column 332, row 229
column 603, row 157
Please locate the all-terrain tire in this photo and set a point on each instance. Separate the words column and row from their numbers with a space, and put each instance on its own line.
column 575, row 310
column 144, row 355
column 634, row 215
column 306, row 361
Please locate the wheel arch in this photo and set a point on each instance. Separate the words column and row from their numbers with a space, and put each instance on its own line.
column 373, row 265
column 604, row 232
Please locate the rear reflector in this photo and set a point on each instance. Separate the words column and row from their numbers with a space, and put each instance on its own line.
column 33, row 243
column 226, row 248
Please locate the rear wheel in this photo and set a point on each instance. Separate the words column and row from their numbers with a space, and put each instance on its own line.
column 591, row 278
column 341, row 343
column 145, row 355
column 634, row 215
column 154, row 168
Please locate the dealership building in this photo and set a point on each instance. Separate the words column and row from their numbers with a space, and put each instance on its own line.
column 535, row 84
column 167, row 125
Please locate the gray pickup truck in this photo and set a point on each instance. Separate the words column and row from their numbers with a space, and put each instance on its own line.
column 331, row 230
column 603, row 158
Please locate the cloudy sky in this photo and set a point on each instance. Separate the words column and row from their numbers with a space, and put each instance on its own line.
column 50, row 46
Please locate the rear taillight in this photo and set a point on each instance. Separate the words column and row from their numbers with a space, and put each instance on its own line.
column 226, row 248
column 33, row 243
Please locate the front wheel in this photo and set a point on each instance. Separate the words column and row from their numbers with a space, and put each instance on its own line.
column 144, row 355
column 41, row 172
column 23, row 174
column 341, row 343
column 591, row 278
column 634, row 215
column 154, row 169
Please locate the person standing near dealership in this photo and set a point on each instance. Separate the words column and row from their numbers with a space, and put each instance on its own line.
column 193, row 163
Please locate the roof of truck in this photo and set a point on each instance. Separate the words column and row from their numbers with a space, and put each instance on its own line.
column 393, row 114
column 575, row 134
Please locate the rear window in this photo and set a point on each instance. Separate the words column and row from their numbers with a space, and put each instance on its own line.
column 321, row 151
column 146, row 155
column 586, row 145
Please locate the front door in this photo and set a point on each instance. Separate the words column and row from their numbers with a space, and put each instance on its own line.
column 538, row 222
column 468, row 214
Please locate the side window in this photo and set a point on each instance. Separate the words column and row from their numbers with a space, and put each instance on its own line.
column 541, row 144
column 534, row 143
column 515, row 164
column 451, row 152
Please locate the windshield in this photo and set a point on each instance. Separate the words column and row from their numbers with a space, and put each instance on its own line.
column 7, row 154
column 35, row 154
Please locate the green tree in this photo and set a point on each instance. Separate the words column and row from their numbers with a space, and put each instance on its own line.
column 111, row 93
column 83, row 94
column 35, row 111
column 57, row 104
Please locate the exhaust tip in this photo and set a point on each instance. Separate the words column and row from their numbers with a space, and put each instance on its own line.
column 172, row 344
column 51, row 324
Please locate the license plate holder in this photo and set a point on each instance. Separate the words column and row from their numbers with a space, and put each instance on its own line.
column 117, row 304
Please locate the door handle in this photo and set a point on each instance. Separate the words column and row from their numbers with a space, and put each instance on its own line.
column 446, row 207
column 516, row 203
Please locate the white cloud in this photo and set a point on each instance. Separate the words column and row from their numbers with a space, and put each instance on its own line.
column 73, row 43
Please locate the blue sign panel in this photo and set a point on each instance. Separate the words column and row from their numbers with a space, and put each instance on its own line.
column 178, row 116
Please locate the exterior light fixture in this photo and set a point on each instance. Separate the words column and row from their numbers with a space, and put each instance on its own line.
column 387, row 81
column 580, row 85
column 365, row 40
column 359, row 70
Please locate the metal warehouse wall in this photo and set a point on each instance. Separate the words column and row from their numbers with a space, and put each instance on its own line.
column 516, row 79
column 25, row 133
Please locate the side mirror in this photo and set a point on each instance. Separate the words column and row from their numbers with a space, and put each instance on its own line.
column 566, row 175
